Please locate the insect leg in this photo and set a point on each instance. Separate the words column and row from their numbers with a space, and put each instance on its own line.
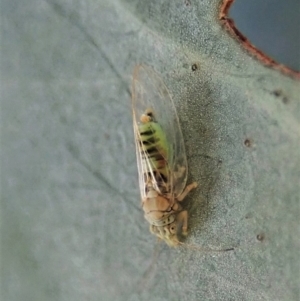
column 182, row 218
column 187, row 189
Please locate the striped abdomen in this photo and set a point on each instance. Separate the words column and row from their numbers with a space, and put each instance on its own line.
column 155, row 153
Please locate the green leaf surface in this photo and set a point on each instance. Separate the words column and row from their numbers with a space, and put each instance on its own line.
column 71, row 223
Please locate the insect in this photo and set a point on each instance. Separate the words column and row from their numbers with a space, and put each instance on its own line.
column 161, row 157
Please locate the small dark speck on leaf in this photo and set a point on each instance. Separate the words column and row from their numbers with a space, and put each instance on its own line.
column 187, row 2
column 248, row 142
column 260, row 237
column 285, row 100
column 279, row 93
column 195, row 66
column 248, row 215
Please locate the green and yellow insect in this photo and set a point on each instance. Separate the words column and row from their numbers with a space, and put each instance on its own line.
column 161, row 157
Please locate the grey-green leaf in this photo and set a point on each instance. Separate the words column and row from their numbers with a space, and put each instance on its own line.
column 71, row 223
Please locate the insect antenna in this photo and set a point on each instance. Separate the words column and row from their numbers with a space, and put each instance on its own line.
column 194, row 247
column 150, row 271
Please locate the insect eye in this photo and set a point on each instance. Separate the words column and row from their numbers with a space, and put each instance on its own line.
column 172, row 229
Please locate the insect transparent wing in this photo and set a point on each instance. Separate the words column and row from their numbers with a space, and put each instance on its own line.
column 146, row 166
column 150, row 92
column 139, row 153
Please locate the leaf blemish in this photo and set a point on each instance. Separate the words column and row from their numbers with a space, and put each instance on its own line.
column 248, row 142
column 260, row 237
column 279, row 93
column 195, row 67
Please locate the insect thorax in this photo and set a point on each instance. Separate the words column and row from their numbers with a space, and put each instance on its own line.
column 159, row 210
column 166, row 220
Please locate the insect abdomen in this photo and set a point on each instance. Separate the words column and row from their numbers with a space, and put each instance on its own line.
column 155, row 150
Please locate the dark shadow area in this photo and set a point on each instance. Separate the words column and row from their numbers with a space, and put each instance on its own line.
column 271, row 26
